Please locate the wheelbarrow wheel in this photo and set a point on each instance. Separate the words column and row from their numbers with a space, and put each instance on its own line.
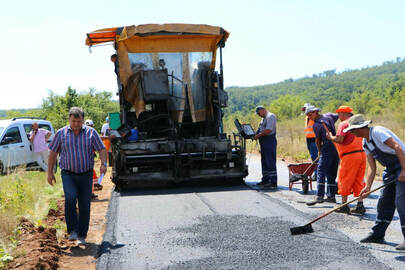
column 305, row 186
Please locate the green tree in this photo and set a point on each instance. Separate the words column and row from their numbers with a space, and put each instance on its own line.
column 96, row 106
column 287, row 106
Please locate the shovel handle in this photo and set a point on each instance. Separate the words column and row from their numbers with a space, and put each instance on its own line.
column 349, row 202
column 305, row 172
column 325, row 126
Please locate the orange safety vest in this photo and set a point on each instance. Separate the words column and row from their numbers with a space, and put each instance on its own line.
column 355, row 146
column 309, row 131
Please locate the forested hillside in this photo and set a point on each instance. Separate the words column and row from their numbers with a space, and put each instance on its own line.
column 368, row 90
column 378, row 92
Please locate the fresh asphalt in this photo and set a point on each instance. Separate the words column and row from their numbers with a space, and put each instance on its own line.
column 236, row 227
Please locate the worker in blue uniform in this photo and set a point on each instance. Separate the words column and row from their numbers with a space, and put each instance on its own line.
column 266, row 134
column 328, row 157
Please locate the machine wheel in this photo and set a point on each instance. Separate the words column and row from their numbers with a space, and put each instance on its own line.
column 305, row 186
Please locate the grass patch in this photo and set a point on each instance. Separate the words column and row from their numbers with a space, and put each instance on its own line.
column 23, row 194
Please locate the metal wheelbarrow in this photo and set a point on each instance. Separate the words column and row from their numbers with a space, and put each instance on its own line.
column 301, row 173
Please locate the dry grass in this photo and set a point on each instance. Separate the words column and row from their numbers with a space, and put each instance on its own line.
column 291, row 141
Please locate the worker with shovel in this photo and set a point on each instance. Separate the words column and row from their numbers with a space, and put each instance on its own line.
column 328, row 157
column 383, row 145
column 353, row 161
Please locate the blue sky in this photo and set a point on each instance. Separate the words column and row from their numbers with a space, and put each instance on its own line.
column 43, row 41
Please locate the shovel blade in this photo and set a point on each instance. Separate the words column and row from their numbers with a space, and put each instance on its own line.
column 302, row 229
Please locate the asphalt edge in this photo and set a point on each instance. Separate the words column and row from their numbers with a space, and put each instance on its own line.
column 109, row 239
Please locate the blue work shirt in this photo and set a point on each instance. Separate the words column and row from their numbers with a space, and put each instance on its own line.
column 329, row 119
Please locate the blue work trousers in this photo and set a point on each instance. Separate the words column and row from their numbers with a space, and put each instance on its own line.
column 268, row 150
column 391, row 196
column 327, row 170
column 77, row 189
column 313, row 151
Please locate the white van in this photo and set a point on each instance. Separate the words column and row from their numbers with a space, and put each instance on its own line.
column 15, row 147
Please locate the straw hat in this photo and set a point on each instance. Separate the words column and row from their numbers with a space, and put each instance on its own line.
column 311, row 108
column 357, row 121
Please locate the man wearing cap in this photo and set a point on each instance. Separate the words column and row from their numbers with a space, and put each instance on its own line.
column 310, row 135
column 266, row 134
column 383, row 145
column 353, row 161
column 328, row 156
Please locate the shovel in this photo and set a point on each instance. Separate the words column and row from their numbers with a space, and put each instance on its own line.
column 307, row 228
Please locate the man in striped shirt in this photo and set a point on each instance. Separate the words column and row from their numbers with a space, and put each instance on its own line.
column 76, row 143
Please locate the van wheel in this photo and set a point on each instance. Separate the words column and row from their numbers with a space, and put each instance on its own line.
column 2, row 168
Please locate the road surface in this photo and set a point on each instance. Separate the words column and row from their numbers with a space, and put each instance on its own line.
column 237, row 228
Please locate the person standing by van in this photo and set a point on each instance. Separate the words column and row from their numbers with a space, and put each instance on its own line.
column 39, row 138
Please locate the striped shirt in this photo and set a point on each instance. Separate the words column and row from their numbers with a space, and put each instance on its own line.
column 76, row 152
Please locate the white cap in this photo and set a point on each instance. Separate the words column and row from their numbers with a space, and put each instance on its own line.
column 89, row 122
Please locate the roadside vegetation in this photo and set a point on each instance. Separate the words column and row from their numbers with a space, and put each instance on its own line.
column 26, row 194
column 377, row 92
column 23, row 194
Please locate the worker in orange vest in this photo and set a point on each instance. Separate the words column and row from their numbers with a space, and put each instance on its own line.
column 353, row 161
column 310, row 136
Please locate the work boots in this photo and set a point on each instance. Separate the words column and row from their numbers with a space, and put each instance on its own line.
column 315, row 201
column 372, row 238
column 400, row 247
column 360, row 209
column 345, row 209
column 330, row 199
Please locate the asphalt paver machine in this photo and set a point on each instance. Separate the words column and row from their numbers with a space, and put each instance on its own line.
column 171, row 100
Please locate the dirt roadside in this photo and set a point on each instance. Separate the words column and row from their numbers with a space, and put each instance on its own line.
column 84, row 257
column 39, row 248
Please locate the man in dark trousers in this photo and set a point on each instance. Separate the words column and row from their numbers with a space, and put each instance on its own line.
column 266, row 134
column 328, row 160
column 384, row 146
column 76, row 143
